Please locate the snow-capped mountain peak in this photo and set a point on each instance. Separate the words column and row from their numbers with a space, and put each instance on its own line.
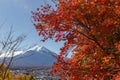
column 37, row 48
column 35, row 56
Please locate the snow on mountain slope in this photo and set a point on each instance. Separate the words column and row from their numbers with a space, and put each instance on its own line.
column 10, row 54
column 33, row 57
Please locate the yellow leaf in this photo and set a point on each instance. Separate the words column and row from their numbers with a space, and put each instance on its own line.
column 106, row 59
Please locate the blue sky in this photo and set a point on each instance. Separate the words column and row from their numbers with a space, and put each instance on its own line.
column 17, row 13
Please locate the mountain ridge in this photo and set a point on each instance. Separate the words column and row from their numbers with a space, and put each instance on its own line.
column 33, row 57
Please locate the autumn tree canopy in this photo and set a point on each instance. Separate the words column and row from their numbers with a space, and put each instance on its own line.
column 9, row 75
column 94, row 27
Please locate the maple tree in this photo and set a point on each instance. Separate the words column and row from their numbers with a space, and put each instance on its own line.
column 93, row 26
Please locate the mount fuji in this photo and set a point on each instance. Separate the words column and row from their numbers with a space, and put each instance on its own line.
column 33, row 57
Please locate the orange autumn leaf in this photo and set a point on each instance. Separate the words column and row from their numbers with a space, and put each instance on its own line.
column 118, row 46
